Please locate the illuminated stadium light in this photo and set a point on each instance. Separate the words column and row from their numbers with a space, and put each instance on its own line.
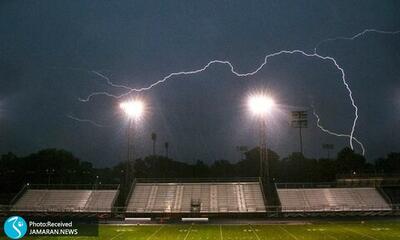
column 133, row 108
column 260, row 104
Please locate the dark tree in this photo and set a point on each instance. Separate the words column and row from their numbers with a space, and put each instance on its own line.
column 350, row 162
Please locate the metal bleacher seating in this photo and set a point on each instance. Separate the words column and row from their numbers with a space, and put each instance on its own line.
column 331, row 199
column 100, row 201
column 212, row 197
column 61, row 200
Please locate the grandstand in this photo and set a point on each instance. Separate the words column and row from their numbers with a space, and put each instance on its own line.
column 209, row 197
column 202, row 197
column 331, row 199
column 65, row 200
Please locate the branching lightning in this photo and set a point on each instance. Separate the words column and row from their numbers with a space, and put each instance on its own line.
column 337, row 134
column 109, row 81
column 355, row 36
column 313, row 54
column 86, row 121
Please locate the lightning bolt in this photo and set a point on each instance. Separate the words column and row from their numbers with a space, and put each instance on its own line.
column 109, row 81
column 336, row 134
column 232, row 69
column 238, row 74
column 351, row 38
column 86, row 121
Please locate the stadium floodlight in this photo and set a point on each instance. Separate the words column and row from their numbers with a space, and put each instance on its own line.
column 132, row 108
column 261, row 104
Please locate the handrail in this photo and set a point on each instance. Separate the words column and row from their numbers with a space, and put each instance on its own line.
column 19, row 194
column 75, row 186
column 263, row 192
column 128, row 197
column 306, row 185
column 384, row 195
column 195, row 180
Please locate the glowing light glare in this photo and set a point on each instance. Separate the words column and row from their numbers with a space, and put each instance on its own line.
column 133, row 108
column 261, row 104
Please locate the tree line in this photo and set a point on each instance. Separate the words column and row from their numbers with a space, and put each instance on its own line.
column 57, row 166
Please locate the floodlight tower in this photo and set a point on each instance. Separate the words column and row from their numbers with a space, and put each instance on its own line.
column 133, row 109
column 299, row 120
column 261, row 106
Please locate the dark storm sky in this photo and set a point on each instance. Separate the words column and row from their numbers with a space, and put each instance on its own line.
column 48, row 48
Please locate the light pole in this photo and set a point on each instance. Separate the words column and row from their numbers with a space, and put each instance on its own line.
column 328, row 147
column 154, row 139
column 133, row 109
column 299, row 120
column 49, row 173
column 96, row 182
column 242, row 150
column 261, row 106
column 166, row 145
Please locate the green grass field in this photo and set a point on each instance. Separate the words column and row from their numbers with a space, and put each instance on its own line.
column 369, row 230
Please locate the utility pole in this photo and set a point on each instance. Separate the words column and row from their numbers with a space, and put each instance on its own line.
column 166, row 145
column 328, row 147
column 263, row 150
column 133, row 110
column 299, row 120
column 129, row 159
column 154, row 139
column 242, row 150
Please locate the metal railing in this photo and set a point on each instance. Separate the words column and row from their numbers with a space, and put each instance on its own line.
column 306, row 185
column 73, row 186
column 195, row 180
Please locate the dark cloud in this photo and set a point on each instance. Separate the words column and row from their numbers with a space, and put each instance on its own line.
column 48, row 48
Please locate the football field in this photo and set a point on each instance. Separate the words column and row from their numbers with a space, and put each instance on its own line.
column 369, row 230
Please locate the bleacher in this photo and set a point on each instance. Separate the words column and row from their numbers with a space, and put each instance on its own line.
column 204, row 197
column 331, row 199
column 154, row 197
column 101, row 200
column 66, row 200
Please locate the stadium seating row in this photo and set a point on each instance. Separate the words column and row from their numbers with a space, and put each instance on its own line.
column 184, row 197
column 331, row 199
column 209, row 197
column 66, row 200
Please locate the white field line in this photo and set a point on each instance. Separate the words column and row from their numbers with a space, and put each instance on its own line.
column 330, row 236
column 155, row 232
column 290, row 234
column 333, row 237
column 359, row 233
column 188, row 232
column 254, row 231
column 119, row 234
column 220, row 232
